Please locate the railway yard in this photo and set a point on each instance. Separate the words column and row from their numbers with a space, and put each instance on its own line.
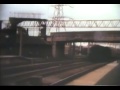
column 32, row 54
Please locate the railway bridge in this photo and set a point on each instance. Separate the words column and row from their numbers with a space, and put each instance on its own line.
column 61, row 38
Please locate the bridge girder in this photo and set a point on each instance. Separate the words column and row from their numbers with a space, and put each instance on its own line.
column 76, row 23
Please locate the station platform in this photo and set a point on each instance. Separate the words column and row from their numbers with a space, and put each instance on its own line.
column 108, row 75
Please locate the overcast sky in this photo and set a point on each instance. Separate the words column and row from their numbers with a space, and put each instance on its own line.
column 79, row 11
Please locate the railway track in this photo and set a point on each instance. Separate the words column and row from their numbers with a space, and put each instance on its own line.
column 29, row 67
column 47, row 73
column 21, row 61
column 13, row 61
column 10, row 74
column 63, row 76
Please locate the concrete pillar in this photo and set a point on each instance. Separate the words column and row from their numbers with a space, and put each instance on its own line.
column 80, row 47
column 88, row 50
column 66, row 48
column 73, row 51
column 58, row 50
column 70, row 49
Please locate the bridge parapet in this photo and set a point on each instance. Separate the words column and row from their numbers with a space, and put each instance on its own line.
column 97, row 36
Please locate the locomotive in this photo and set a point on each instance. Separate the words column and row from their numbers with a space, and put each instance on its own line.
column 101, row 53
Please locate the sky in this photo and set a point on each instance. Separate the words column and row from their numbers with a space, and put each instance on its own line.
column 78, row 11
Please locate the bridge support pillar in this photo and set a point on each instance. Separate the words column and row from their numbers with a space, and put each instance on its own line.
column 58, row 50
column 70, row 49
column 73, row 50
column 88, row 50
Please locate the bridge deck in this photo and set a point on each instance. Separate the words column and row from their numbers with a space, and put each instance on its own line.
column 88, row 36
